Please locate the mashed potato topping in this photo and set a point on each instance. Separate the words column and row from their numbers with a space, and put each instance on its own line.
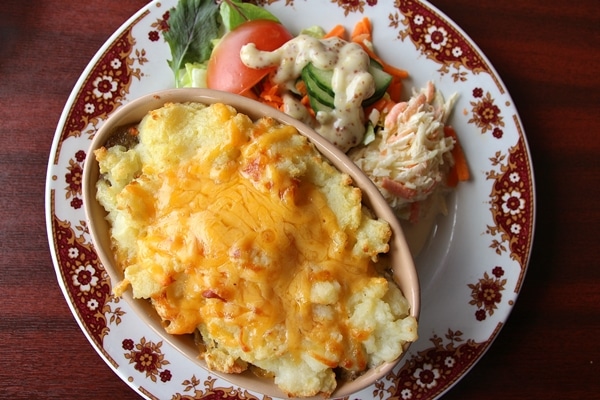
column 241, row 231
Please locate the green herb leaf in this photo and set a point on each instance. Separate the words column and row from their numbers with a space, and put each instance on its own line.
column 235, row 13
column 193, row 25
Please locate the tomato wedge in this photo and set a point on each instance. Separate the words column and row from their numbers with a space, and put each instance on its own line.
column 226, row 71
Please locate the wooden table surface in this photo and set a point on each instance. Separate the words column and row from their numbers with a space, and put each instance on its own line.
column 546, row 51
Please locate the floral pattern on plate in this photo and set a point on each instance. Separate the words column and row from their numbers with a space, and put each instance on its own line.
column 512, row 205
column 473, row 267
column 437, row 38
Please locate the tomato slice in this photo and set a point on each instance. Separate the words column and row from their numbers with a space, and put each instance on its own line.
column 226, row 71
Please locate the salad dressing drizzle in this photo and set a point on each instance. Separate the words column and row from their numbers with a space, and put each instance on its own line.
column 352, row 83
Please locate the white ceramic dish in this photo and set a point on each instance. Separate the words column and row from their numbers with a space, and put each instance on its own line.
column 472, row 266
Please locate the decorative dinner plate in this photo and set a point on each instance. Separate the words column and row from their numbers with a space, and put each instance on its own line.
column 471, row 268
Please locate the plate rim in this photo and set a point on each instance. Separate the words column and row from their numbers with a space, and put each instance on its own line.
column 129, row 23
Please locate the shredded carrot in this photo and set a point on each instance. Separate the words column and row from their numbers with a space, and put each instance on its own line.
column 395, row 89
column 460, row 171
column 362, row 38
column 390, row 69
column 301, row 87
column 362, row 29
column 383, row 105
column 363, row 35
column 305, row 101
column 269, row 94
column 337, row 31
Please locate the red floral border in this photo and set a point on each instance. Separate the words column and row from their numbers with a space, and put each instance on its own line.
column 437, row 39
column 433, row 370
column 82, row 273
column 486, row 115
column 86, row 281
column 486, row 294
column 194, row 389
column 84, row 278
column 511, row 203
column 104, row 88
column 147, row 358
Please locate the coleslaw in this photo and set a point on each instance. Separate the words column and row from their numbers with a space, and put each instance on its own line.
column 410, row 157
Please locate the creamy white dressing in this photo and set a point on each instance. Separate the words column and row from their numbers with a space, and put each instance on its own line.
column 344, row 126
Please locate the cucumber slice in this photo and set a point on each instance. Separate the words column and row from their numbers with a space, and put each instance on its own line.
column 317, row 106
column 321, row 77
column 318, row 97
column 318, row 84
column 382, row 82
column 375, row 63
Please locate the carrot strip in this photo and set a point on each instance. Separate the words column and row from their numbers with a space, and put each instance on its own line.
column 362, row 27
column 362, row 38
column 395, row 89
column 269, row 94
column 305, row 101
column 452, row 178
column 383, row 105
column 337, row 31
column 461, row 166
column 301, row 87
column 390, row 69
column 363, row 35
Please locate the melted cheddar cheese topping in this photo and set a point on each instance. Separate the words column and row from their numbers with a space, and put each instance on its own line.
column 241, row 230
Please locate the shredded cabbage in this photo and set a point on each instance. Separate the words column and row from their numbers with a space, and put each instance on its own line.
column 410, row 156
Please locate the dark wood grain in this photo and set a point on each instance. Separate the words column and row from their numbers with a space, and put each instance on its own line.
column 546, row 51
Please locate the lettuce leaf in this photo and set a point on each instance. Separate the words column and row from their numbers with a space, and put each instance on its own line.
column 235, row 13
column 193, row 25
column 194, row 75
